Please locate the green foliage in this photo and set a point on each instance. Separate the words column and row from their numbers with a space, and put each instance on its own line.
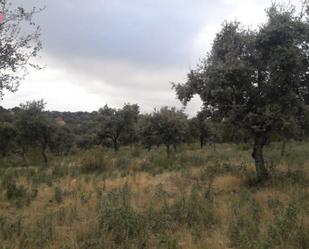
column 244, row 228
column 122, row 162
column 167, row 126
column 85, row 197
column 192, row 159
column 256, row 79
column 19, row 195
column 61, row 140
column 147, row 132
column 20, row 43
column 285, row 229
column 7, row 137
column 59, row 171
column 95, row 160
column 220, row 168
column 167, row 242
column 42, row 176
column 118, row 126
column 34, row 128
column 130, row 228
column 189, row 203
column 127, row 227
column 203, row 128
column 194, row 211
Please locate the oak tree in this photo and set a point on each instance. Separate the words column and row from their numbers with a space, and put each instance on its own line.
column 257, row 80
column 118, row 125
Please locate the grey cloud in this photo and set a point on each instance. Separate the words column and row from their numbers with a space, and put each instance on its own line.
column 142, row 32
column 126, row 51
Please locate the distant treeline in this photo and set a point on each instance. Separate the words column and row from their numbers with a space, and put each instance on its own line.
column 31, row 127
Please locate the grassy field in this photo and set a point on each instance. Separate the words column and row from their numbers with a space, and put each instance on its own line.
column 197, row 198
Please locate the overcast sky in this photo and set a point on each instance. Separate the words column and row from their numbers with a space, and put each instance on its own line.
column 112, row 52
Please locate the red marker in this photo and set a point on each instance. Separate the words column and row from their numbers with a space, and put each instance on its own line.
column 1, row 18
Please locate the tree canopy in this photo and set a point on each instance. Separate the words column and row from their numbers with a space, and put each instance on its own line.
column 118, row 125
column 34, row 128
column 19, row 44
column 256, row 79
column 167, row 126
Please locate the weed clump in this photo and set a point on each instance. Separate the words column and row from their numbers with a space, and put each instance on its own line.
column 10, row 228
column 40, row 234
column 116, row 217
column 58, row 195
column 95, row 160
column 286, row 228
column 19, row 195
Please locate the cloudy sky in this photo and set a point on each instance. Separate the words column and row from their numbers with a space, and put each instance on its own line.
column 112, row 52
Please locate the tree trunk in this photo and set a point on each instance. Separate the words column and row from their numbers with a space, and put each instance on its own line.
column 202, row 142
column 116, row 147
column 283, row 148
column 23, row 154
column 168, row 152
column 257, row 154
column 214, row 147
column 175, row 147
column 44, row 157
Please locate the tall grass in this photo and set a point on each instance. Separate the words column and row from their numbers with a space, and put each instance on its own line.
column 138, row 199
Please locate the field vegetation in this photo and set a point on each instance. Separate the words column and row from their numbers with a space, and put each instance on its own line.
column 234, row 176
column 195, row 198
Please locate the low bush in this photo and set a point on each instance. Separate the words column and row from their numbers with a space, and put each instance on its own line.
column 117, row 218
column 19, row 195
column 285, row 229
column 95, row 160
column 194, row 211
column 128, row 228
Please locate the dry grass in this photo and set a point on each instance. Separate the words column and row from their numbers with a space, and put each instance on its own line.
column 75, row 217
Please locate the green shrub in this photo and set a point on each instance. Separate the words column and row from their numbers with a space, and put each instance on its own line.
column 19, row 195
column 286, row 229
column 95, row 160
column 116, row 217
column 7, row 176
column 85, row 197
column 244, row 147
column 41, row 177
column 150, row 167
column 136, row 152
column 122, row 162
column 167, row 242
column 192, row 159
column 59, row 171
column 244, row 226
column 194, row 211
column 219, row 168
